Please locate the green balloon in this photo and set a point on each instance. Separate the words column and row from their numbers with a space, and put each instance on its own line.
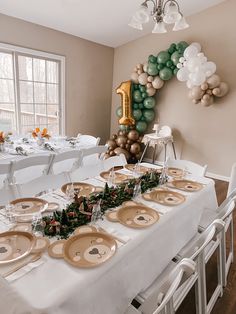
column 144, row 95
column 182, row 45
column 152, row 59
column 149, row 102
column 135, row 106
column 136, row 86
column 165, row 74
column 142, row 118
column 142, row 88
column 119, row 112
column 175, row 71
column 141, row 126
column 173, row 45
column 137, row 96
column 173, row 67
column 141, row 106
column 137, row 114
column 160, row 66
column 163, row 57
column 175, row 57
column 123, row 127
column 149, row 114
column 169, row 63
column 152, row 69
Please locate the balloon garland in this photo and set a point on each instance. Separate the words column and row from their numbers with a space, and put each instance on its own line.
column 185, row 61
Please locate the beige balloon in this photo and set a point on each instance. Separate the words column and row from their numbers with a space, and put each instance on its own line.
column 139, row 66
column 206, row 97
column 209, row 92
column 213, row 81
column 197, row 92
column 151, row 91
column 145, row 66
column 139, row 72
column 207, row 101
column 196, row 101
column 204, row 86
column 224, row 88
column 134, row 77
column 150, row 78
column 216, row 91
column 157, row 82
column 148, row 85
column 142, row 79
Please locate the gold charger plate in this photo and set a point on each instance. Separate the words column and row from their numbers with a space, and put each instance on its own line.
column 15, row 245
column 164, row 197
column 28, row 206
column 187, row 185
column 137, row 216
column 142, row 169
column 175, row 172
column 118, row 177
column 89, row 249
column 84, row 189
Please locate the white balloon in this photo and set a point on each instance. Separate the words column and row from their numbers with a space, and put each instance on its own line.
column 189, row 84
column 185, row 63
column 179, row 65
column 209, row 68
column 197, row 45
column 190, row 51
column 197, row 78
column 181, row 59
column 182, row 74
column 193, row 64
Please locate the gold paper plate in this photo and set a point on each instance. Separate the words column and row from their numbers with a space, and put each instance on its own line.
column 141, row 169
column 137, row 216
column 187, row 185
column 175, row 172
column 118, row 177
column 165, row 197
column 55, row 249
column 15, row 245
column 28, row 206
column 84, row 189
column 89, row 249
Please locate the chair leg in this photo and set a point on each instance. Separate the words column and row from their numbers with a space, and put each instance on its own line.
column 202, row 280
column 232, row 240
column 220, row 267
column 146, row 147
column 223, row 258
column 165, row 147
column 198, row 304
column 154, row 154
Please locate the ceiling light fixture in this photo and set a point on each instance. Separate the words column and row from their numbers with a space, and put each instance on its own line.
column 163, row 12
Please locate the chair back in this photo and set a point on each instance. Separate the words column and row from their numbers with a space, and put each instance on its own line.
column 232, row 181
column 28, row 175
column 114, row 161
column 88, row 140
column 161, row 301
column 165, row 131
column 6, row 191
column 192, row 167
column 66, row 161
column 91, row 165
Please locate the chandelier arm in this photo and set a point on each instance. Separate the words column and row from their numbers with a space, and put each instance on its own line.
column 175, row 2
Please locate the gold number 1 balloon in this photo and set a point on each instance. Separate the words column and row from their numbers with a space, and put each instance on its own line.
column 125, row 91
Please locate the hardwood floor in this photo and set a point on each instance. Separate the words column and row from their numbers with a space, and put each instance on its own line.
column 227, row 303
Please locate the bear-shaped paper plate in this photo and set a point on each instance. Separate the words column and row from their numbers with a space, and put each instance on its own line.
column 186, row 185
column 164, row 197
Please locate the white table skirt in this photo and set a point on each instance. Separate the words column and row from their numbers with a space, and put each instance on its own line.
column 55, row 287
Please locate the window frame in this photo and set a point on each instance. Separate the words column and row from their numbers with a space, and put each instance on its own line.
column 17, row 50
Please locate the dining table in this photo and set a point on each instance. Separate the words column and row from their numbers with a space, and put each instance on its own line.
column 55, row 287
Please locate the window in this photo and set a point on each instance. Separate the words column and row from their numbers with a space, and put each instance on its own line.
column 31, row 90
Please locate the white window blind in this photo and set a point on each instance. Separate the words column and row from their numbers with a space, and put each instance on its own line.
column 31, row 91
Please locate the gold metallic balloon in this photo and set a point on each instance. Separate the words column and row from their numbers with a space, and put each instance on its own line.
column 125, row 91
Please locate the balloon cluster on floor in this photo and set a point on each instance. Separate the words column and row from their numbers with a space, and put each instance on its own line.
column 199, row 75
column 185, row 61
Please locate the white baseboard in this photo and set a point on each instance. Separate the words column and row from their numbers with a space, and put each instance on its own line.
column 208, row 174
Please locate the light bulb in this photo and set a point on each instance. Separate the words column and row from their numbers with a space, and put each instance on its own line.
column 142, row 15
column 171, row 14
column 159, row 28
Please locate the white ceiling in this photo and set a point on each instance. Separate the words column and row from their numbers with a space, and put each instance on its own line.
column 101, row 21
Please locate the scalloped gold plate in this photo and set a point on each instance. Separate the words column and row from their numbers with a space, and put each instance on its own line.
column 164, row 197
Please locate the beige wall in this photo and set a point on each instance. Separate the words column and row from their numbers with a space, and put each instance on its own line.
column 88, row 73
column 204, row 135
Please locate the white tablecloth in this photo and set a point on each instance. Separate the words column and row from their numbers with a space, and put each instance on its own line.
column 55, row 287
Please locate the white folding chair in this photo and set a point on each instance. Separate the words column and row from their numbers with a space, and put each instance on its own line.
column 28, row 176
column 6, row 191
column 191, row 167
column 88, row 140
column 224, row 212
column 232, row 181
column 91, row 163
column 114, row 161
column 162, row 299
column 63, row 164
column 196, row 251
